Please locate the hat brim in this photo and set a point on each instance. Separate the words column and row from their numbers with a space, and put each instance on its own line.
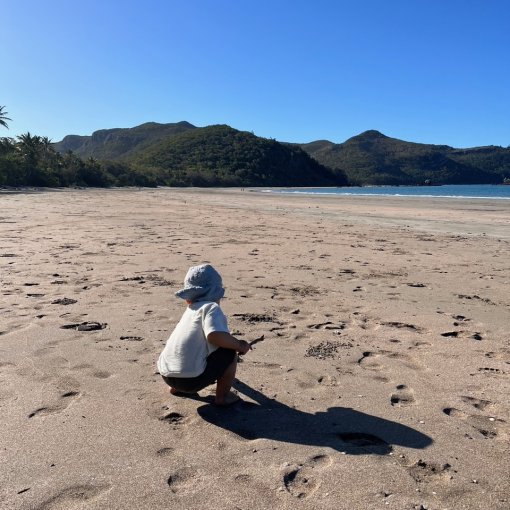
column 196, row 293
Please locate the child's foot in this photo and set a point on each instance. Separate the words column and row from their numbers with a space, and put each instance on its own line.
column 229, row 399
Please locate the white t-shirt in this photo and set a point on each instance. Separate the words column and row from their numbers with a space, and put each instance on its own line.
column 187, row 348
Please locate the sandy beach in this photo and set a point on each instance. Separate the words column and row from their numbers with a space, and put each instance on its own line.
column 381, row 380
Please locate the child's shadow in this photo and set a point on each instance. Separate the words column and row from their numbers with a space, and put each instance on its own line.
column 341, row 428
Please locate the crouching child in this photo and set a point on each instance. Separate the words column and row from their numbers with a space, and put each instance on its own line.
column 201, row 351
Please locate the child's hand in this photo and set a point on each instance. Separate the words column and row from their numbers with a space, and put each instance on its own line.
column 243, row 347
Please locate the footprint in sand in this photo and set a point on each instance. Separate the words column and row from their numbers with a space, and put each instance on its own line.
column 403, row 325
column 491, row 370
column 423, row 471
column 101, row 374
column 360, row 320
column 460, row 318
column 65, row 400
column 476, row 298
column 243, row 478
column 168, row 416
column 487, row 426
column 327, row 380
column 86, row 326
column 477, row 403
column 503, row 354
column 405, row 359
column 402, row 397
column 419, row 345
column 165, row 451
column 73, row 497
column 172, row 417
column 92, row 370
column 462, row 334
column 301, row 480
column 64, row 301
column 381, row 378
column 184, row 480
column 373, row 360
column 368, row 361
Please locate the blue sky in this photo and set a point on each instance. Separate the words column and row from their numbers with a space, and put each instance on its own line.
column 431, row 71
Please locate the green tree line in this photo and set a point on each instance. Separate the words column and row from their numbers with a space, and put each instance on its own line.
column 30, row 160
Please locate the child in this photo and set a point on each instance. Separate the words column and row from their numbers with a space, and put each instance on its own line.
column 200, row 350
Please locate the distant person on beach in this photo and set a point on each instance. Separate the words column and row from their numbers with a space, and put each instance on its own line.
column 200, row 350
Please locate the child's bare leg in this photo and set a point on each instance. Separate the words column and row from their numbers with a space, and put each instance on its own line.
column 223, row 394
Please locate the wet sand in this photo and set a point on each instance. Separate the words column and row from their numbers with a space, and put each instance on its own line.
column 382, row 380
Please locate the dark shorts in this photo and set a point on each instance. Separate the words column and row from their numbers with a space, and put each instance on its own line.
column 216, row 364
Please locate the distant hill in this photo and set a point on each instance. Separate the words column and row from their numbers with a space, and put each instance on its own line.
column 373, row 158
column 120, row 143
column 180, row 154
column 223, row 156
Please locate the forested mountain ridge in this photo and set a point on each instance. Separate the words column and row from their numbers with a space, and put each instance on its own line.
column 368, row 158
column 373, row 158
column 223, row 156
column 120, row 143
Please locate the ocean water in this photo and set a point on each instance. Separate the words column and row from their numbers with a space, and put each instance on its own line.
column 447, row 191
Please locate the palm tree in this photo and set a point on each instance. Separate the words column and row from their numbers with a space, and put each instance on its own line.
column 3, row 117
column 30, row 145
column 46, row 147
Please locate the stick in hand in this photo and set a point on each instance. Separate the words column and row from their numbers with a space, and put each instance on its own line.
column 259, row 339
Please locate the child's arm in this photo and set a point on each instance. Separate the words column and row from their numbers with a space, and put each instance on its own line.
column 226, row 340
